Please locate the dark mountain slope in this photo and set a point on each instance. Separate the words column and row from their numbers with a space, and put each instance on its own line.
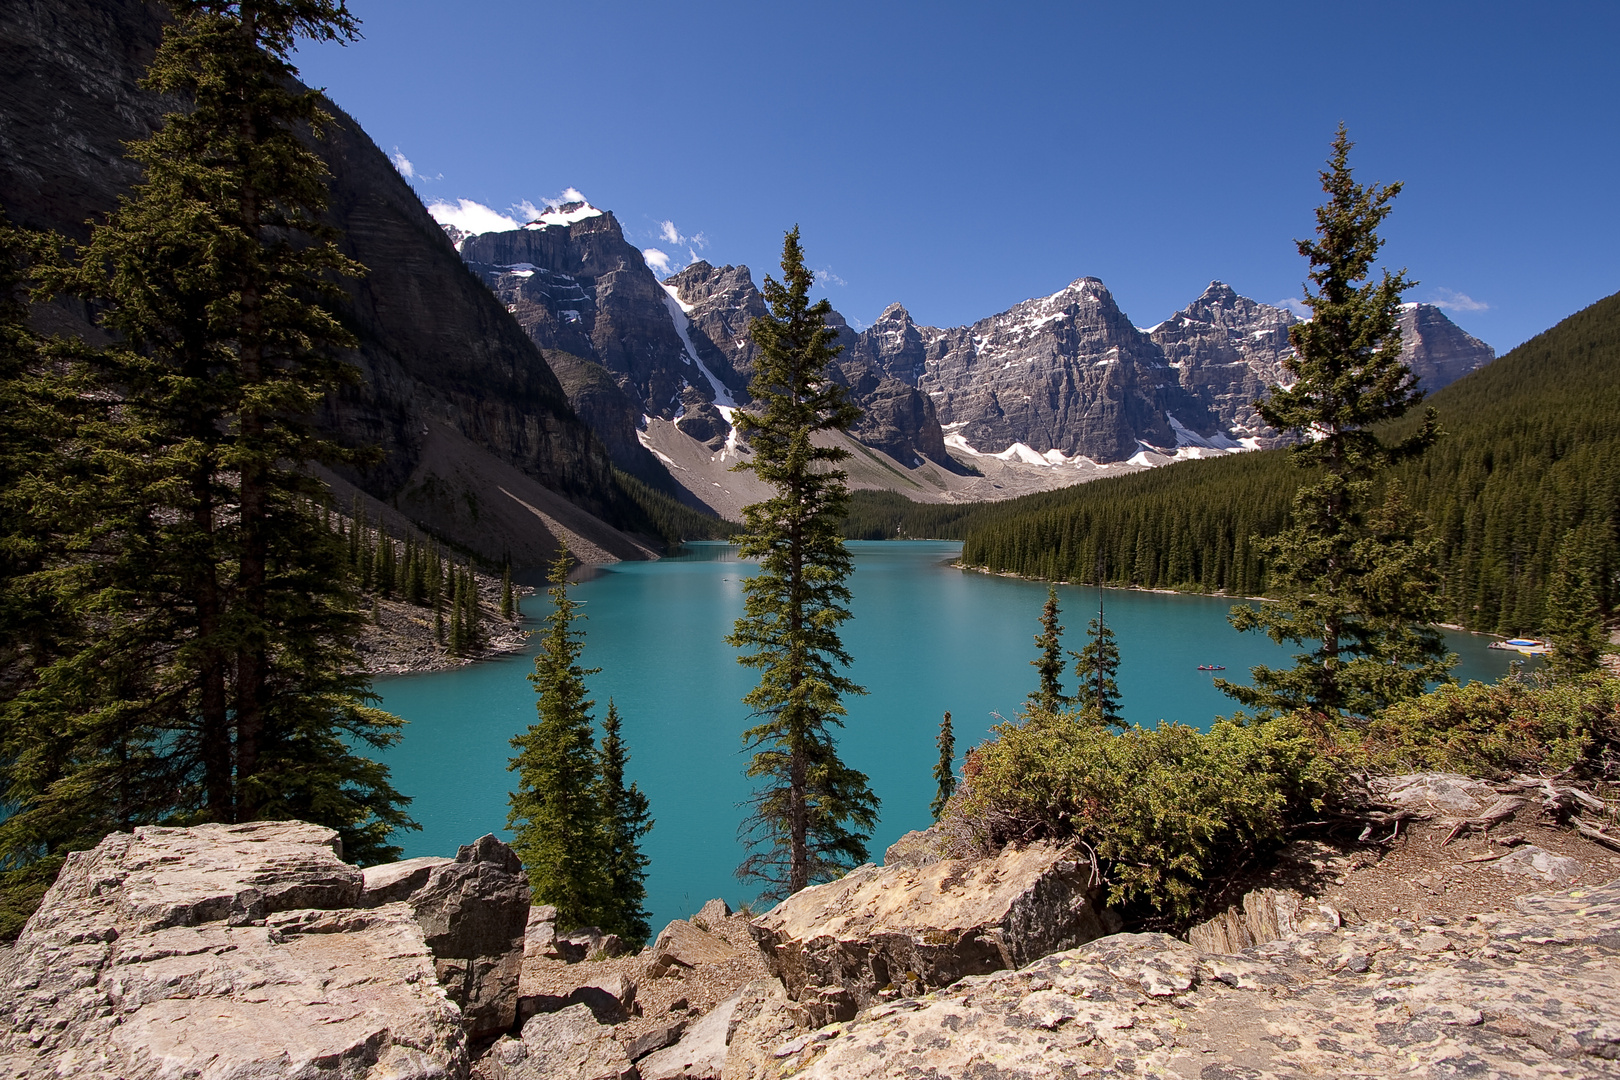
column 437, row 349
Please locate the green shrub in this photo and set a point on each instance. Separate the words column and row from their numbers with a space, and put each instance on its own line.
column 1166, row 810
column 1499, row 729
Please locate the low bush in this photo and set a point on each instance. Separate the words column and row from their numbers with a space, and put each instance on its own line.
column 1500, row 729
column 1167, row 810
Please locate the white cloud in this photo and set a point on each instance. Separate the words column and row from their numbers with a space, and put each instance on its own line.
column 699, row 239
column 403, row 164
column 825, row 276
column 667, row 230
column 656, row 259
column 1451, row 300
column 569, row 195
column 471, row 217
column 1295, row 305
column 526, row 209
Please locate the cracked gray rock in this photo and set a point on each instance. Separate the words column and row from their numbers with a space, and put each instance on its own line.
column 1526, row 993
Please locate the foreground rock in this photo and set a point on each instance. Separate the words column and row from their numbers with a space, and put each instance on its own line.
column 473, row 911
column 223, row 951
column 903, row 929
column 568, row 1044
column 1529, row 993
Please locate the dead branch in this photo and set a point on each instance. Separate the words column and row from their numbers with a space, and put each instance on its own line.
column 1499, row 811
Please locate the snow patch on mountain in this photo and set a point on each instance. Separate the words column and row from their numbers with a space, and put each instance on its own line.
column 683, row 327
column 566, row 214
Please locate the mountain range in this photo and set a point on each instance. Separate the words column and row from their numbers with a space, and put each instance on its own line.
column 1064, row 383
column 504, row 397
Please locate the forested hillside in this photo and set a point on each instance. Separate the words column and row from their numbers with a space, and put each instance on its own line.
column 1530, row 460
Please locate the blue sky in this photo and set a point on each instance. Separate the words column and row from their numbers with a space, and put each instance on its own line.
column 959, row 158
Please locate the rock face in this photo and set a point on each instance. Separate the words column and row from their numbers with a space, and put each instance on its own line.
column 896, row 417
column 1526, row 994
column 436, row 350
column 1265, row 915
column 223, row 950
column 567, row 1044
column 575, row 284
column 1227, row 349
column 701, row 1052
column 1065, row 372
column 901, row 929
column 473, row 912
column 1439, row 351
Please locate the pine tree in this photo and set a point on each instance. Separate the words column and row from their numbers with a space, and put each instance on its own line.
column 457, row 644
column 224, row 658
column 1049, row 663
column 1096, row 670
column 556, row 815
column 627, row 819
column 944, row 771
column 506, row 592
column 811, row 813
column 1351, row 575
column 1573, row 624
column 472, row 628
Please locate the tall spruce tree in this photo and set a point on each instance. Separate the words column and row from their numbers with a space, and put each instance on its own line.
column 1096, row 672
column 555, row 814
column 627, row 818
column 1573, row 624
column 1353, row 575
column 1049, row 662
column 222, row 682
column 811, row 813
column 944, row 769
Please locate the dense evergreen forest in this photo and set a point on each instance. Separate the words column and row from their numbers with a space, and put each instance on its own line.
column 1530, row 461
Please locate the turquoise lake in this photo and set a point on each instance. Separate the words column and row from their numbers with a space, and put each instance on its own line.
column 925, row 638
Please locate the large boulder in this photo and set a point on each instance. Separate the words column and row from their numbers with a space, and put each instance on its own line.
column 223, row 951
column 1530, row 993
column 567, row 1045
column 473, row 911
column 905, row 928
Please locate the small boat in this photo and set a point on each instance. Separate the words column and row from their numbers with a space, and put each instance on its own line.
column 1527, row 646
column 1211, row 667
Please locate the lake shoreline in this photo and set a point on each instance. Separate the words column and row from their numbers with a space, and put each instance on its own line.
column 1219, row 594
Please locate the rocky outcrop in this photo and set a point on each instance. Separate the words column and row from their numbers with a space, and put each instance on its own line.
column 898, row 930
column 473, row 911
column 223, row 950
column 896, row 418
column 1265, row 915
column 701, row 1052
column 1439, row 351
column 575, row 284
column 1227, row 350
column 1065, row 372
column 568, row 1044
column 1529, row 993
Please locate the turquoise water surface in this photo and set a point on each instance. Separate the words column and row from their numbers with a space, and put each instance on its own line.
column 925, row 638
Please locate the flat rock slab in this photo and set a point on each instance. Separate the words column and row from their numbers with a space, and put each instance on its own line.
column 904, row 928
column 1528, row 993
column 181, row 877
column 567, row 1045
column 1441, row 794
column 134, row 967
column 1540, row 864
column 701, row 1052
